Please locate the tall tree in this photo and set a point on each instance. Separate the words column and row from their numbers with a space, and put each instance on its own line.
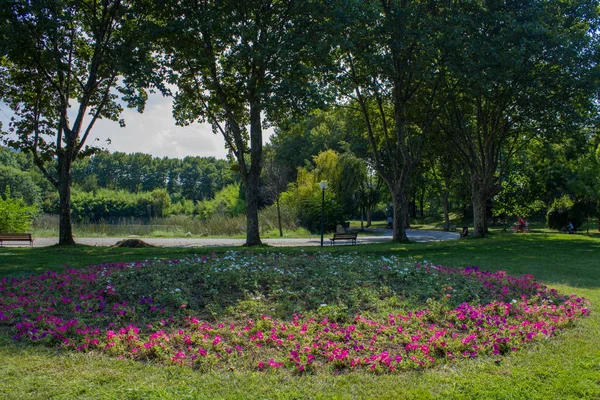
column 67, row 64
column 240, row 65
column 388, row 58
column 514, row 70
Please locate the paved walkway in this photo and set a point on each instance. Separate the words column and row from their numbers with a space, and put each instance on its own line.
column 413, row 235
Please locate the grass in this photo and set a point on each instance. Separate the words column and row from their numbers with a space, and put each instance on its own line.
column 567, row 366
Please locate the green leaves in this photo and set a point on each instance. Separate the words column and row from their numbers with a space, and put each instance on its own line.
column 62, row 69
column 15, row 215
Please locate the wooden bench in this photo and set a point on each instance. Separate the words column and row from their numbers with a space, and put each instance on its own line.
column 15, row 237
column 344, row 236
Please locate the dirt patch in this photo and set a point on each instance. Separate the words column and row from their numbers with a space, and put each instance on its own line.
column 132, row 243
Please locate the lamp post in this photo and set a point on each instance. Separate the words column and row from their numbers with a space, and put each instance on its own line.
column 323, row 185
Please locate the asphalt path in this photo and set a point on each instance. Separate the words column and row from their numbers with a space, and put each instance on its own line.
column 363, row 238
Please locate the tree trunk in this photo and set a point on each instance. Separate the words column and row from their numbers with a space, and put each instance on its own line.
column 252, row 179
column 446, row 206
column 413, row 207
column 362, row 219
column 279, row 217
column 251, row 192
column 65, row 229
column 479, row 198
column 400, row 202
column 406, row 215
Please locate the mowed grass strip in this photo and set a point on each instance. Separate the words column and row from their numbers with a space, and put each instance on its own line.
column 566, row 366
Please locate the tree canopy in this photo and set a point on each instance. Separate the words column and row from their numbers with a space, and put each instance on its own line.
column 239, row 66
column 490, row 105
column 67, row 64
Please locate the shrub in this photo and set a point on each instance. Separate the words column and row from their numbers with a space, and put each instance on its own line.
column 309, row 214
column 563, row 210
column 111, row 205
column 15, row 215
column 21, row 185
column 183, row 207
column 228, row 202
column 161, row 203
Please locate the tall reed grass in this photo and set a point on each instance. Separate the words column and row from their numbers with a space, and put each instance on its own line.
column 173, row 226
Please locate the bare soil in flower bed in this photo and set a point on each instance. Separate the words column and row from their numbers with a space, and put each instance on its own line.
column 308, row 313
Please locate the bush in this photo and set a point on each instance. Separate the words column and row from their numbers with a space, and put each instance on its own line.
column 228, row 202
column 111, row 205
column 183, row 207
column 309, row 214
column 21, row 185
column 161, row 203
column 15, row 215
column 379, row 214
column 563, row 210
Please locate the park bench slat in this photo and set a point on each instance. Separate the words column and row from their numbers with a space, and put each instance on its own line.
column 344, row 236
column 15, row 237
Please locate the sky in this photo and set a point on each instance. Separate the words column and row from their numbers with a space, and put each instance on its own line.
column 153, row 132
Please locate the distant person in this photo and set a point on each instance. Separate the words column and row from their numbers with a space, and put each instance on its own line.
column 521, row 225
column 570, row 228
column 390, row 222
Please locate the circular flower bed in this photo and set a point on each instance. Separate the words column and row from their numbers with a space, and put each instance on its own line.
column 301, row 312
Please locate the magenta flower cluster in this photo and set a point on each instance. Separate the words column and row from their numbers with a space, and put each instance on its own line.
column 71, row 310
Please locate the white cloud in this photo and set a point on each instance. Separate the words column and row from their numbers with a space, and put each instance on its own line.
column 154, row 132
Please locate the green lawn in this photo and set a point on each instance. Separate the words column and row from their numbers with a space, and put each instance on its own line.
column 565, row 367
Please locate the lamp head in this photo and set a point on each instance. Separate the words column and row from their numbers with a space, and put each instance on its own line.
column 323, row 185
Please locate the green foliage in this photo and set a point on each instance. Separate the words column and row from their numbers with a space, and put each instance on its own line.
column 192, row 178
column 562, row 211
column 557, row 216
column 110, row 204
column 183, row 207
column 521, row 191
column 175, row 225
column 10, row 158
column 105, row 204
column 346, row 176
column 15, row 215
column 227, row 202
column 21, row 185
column 71, row 58
column 161, row 203
column 238, row 65
column 513, row 68
column 296, row 144
column 309, row 214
